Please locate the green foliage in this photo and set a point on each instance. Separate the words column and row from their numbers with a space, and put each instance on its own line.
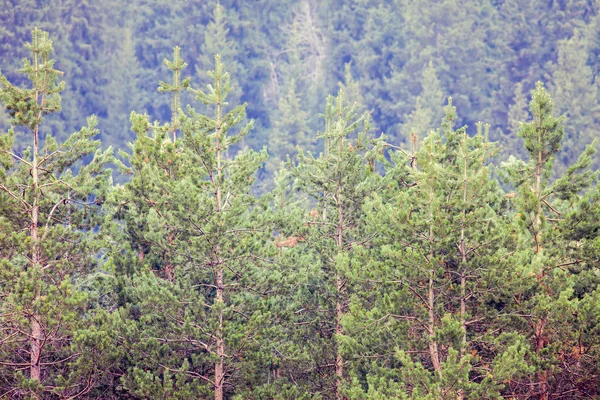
column 50, row 208
column 548, row 303
column 365, row 270
column 336, row 183
column 428, row 290
column 209, row 260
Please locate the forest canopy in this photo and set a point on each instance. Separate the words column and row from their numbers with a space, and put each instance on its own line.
column 272, row 200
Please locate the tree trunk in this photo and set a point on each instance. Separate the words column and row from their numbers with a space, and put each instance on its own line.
column 433, row 346
column 220, row 367
column 540, row 343
column 220, row 342
column 339, row 361
column 340, row 281
column 463, row 262
column 35, row 318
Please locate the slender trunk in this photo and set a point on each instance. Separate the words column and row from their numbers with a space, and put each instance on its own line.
column 339, row 361
column 36, row 331
column 220, row 342
column 463, row 256
column 220, row 365
column 540, row 343
column 538, row 221
column 463, row 262
column 340, row 282
column 176, row 91
column 35, row 318
column 433, row 346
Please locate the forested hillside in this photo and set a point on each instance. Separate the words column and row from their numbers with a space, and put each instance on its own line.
column 273, row 200
column 399, row 59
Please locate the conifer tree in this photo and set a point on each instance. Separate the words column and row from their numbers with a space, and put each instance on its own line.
column 217, row 40
column 352, row 90
column 51, row 198
column 289, row 131
column 424, row 118
column 200, row 225
column 177, row 65
column 338, row 181
column 421, row 327
column 545, row 300
column 577, row 98
column 123, row 71
column 517, row 113
column 154, row 167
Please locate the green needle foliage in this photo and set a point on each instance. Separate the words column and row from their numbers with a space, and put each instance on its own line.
column 421, row 326
column 191, row 316
column 368, row 272
column 50, row 346
column 337, row 184
column 552, row 256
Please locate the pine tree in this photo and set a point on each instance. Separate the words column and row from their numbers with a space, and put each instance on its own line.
column 352, row 90
column 217, row 41
column 545, row 299
column 338, row 181
column 577, row 96
column 423, row 118
column 208, row 269
column 517, row 112
column 289, row 131
column 422, row 325
column 177, row 65
column 365, row 33
column 55, row 199
column 123, row 86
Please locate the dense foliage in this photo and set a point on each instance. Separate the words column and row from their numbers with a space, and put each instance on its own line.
column 412, row 264
column 399, row 59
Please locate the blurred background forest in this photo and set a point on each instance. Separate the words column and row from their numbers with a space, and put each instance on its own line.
column 398, row 59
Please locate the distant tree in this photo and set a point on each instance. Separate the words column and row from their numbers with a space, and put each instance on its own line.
column 289, row 131
column 424, row 117
column 123, row 72
column 517, row 113
column 577, row 97
column 218, row 41
column 365, row 34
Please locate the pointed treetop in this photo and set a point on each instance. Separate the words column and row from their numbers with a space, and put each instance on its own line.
column 220, row 88
column 27, row 106
column 543, row 136
column 177, row 65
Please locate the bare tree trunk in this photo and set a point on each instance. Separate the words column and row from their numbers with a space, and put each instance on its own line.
column 433, row 346
column 35, row 319
column 339, row 361
column 540, row 344
column 219, row 367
